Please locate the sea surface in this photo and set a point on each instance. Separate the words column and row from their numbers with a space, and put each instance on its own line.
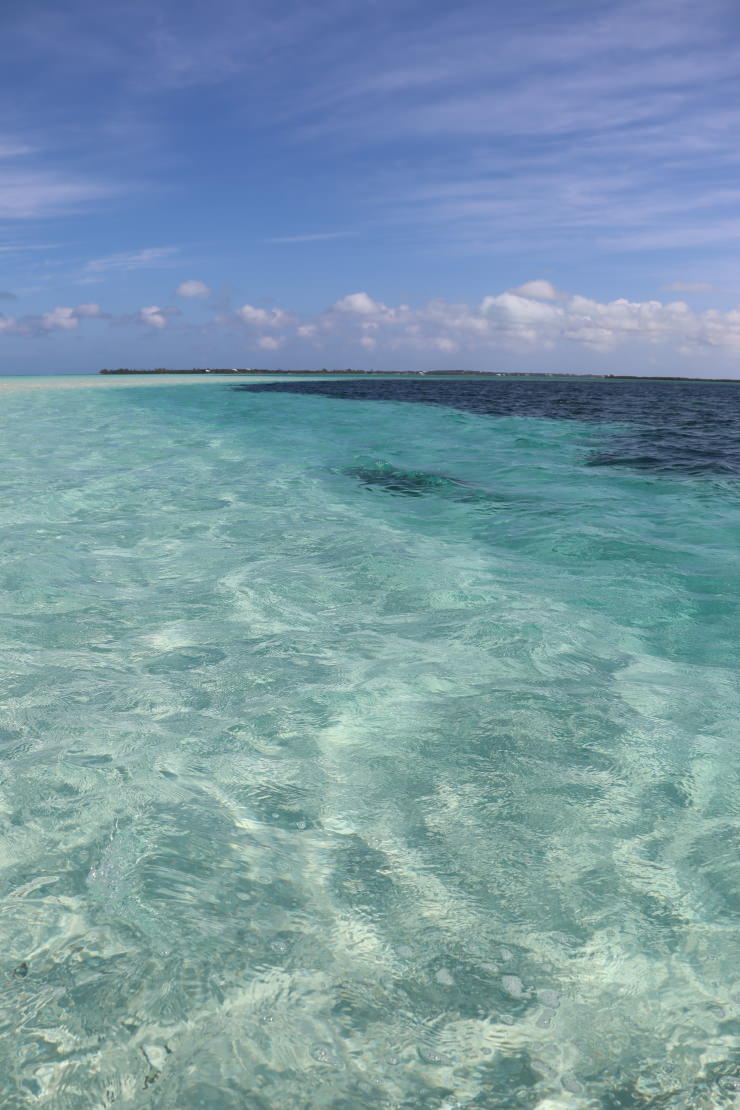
column 369, row 743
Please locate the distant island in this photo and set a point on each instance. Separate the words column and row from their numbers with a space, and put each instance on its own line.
column 323, row 372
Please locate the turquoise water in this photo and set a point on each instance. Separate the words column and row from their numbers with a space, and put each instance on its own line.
column 359, row 753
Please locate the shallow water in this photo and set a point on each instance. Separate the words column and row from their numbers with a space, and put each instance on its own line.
column 362, row 753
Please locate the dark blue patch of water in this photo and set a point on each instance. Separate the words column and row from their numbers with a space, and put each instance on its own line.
column 688, row 427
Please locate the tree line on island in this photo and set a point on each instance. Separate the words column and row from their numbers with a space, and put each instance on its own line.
column 323, row 371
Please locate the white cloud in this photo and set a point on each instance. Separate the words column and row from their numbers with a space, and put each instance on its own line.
column 63, row 318
column 270, row 342
column 443, row 343
column 262, row 317
column 539, row 289
column 153, row 316
column 530, row 318
column 368, row 313
column 519, row 309
column 358, row 303
column 502, row 326
column 193, row 289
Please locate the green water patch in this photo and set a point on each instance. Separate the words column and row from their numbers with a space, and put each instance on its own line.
column 400, row 482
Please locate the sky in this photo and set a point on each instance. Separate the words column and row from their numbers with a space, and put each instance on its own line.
column 550, row 185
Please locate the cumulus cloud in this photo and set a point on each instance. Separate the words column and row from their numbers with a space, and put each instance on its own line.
column 369, row 313
column 154, row 316
column 270, row 342
column 263, row 317
column 359, row 303
column 193, row 289
column 61, row 318
column 444, row 343
column 531, row 317
column 64, row 318
column 540, row 289
column 521, row 320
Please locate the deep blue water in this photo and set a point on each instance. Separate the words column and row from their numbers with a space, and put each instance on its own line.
column 684, row 427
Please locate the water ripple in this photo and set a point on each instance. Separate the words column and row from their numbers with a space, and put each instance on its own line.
column 369, row 755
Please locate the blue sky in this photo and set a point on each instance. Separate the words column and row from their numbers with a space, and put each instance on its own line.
column 548, row 185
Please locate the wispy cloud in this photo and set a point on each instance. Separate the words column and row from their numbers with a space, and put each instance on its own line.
column 581, row 135
column 19, row 248
column 27, row 195
column 314, row 237
column 603, row 128
column 14, row 150
column 124, row 261
column 689, row 287
column 32, row 186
